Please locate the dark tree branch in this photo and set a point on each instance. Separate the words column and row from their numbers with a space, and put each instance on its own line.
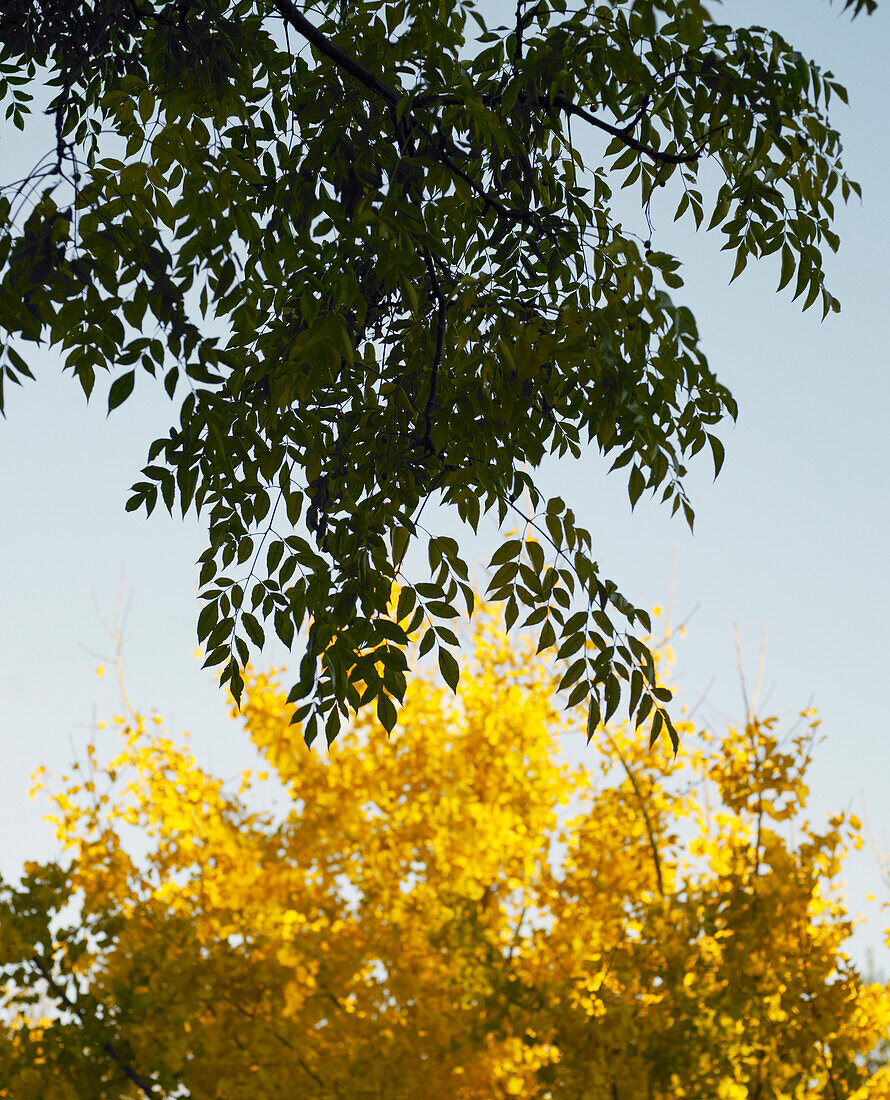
column 565, row 104
column 107, row 1047
column 374, row 84
column 509, row 212
column 292, row 15
column 129, row 1072
column 281, row 1039
column 523, row 21
column 638, row 118
column 347, row 63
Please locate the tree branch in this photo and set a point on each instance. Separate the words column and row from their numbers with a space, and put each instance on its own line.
column 650, row 832
column 281, row 1039
column 295, row 18
column 523, row 21
column 570, row 108
column 107, row 1047
column 292, row 15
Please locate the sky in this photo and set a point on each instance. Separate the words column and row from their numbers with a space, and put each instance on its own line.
column 790, row 544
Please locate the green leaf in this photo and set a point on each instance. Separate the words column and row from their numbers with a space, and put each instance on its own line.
column 401, row 536
column 613, row 696
column 573, row 673
column 391, row 631
column 636, row 690
column 231, row 675
column 643, row 711
column 405, row 605
column 273, row 556
column 386, row 712
column 570, row 645
column 284, row 627
column 547, row 637
column 635, row 485
column 509, row 551
column 536, row 555
column 689, row 514
column 442, row 610
column 537, row 616
column 206, row 620
column 121, row 388
column 555, row 530
column 254, row 630
column 741, row 262
column 449, row 668
column 787, row 267
column 657, row 724
column 593, row 717
column 718, row 452
column 170, row 380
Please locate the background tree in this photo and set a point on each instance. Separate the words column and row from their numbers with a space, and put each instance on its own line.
column 383, row 270
column 447, row 911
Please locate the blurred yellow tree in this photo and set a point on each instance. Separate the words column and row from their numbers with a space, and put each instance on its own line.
column 452, row 911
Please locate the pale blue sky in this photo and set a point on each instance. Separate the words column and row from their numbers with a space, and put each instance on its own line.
column 794, row 534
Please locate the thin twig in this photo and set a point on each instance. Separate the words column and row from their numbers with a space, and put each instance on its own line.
column 441, row 311
column 759, row 681
column 650, row 832
column 738, row 650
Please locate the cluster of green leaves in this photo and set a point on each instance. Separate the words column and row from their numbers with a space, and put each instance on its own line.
column 383, row 271
column 41, row 961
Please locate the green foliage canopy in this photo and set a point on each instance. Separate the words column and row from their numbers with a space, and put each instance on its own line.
column 369, row 251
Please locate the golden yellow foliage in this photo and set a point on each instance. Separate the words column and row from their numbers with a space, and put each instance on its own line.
column 452, row 911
